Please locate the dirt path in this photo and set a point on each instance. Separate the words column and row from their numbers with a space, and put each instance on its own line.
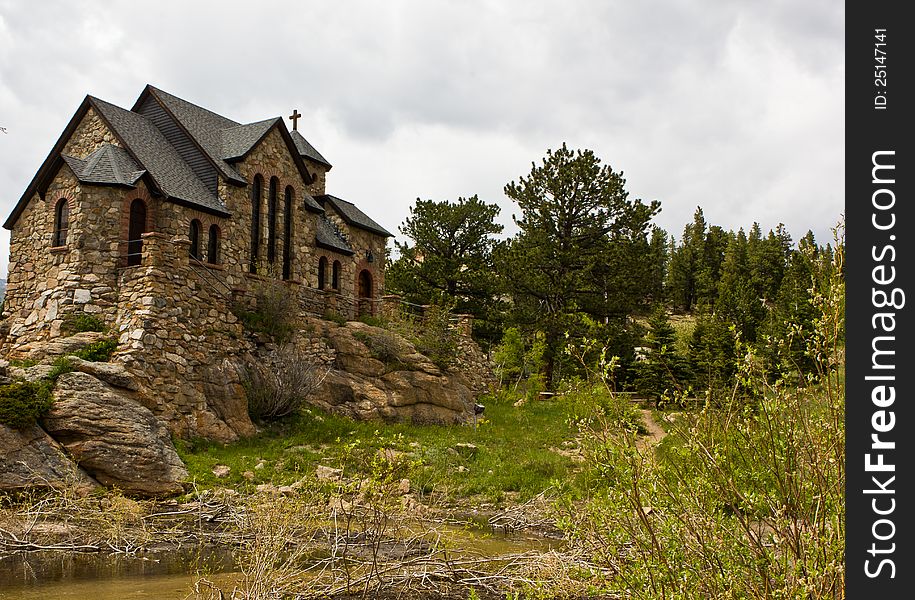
column 655, row 432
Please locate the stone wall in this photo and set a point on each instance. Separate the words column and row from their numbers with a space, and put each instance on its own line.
column 178, row 335
column 318, row 185
column 47, row 283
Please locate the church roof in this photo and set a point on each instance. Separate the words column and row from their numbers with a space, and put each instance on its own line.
column 174, row 145
column 328, row 236
column 204, row 126
column 109, row 164
column 307, row 150
column 237, row 141
column 352, row 215
column 170, row 172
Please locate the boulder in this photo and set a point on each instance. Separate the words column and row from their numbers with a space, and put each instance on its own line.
column 406, row 386
column 63, row 345
column 225, row 394
column 114, row 374
column 113, row 437
column 31, row 459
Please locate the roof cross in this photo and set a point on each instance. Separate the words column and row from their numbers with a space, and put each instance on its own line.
column 295, row 119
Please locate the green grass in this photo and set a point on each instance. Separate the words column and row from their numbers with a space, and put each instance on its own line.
column 513, row 459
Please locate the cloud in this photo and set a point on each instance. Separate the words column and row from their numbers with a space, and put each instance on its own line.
column 737, row 107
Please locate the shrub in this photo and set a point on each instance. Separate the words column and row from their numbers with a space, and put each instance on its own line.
column 275, row 313
column 61, row 366
column 384, row 346
column 278, row 386
column 99, row 351
column 335, row 317
column 435, row 337
column 374, row 321
column 24, row 402
column 79, row 323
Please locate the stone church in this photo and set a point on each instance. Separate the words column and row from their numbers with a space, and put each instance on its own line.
column 244, row 201
column 159, row 221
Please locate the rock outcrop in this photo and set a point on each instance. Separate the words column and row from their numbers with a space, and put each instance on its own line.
column 113, row 437
column 31, row 459
column 377, row 374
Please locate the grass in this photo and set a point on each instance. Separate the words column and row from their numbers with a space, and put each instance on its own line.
column 513, row 462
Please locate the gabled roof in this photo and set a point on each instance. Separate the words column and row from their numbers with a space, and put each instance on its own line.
column 204, row 127
column 353, row 215
column 221, row 139
column 153, row 152
column 109, row 164
column 307, row 150
column 328, row 236
column 237, row 141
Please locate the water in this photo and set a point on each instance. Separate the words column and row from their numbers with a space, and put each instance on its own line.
column 167, row 575
column 171, row 574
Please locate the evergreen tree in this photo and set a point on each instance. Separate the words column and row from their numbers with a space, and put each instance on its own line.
column 712, row 353
column 660, row 371
column 709, row 270
column 449, row 258
column 792, row 317
column 575, row 216
column 738, row 302
column 685, row 263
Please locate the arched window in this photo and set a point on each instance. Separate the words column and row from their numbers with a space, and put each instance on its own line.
column 194, row 236
column 213, row 245
column 135, row 231
column 271, row 220
column 255, row 221
column 61, row 222
column 322, row 272
column 287, row 233
column 335, row 278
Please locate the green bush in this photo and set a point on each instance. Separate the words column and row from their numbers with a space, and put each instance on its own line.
column 383, row 345
column 335, row 317
column 99, row 351
column 275, row 311
column 24, row 402
column 80, row 323
column 61, row 365
column 435, row 337
column 374, row 321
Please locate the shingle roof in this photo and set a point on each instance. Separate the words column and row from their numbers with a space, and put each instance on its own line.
column 328, row 236
column 204, row 126
column 353, row 215
column 307, row 150
column 312, row 204
column 109, row 164
column 238, row 140
column 158, row 157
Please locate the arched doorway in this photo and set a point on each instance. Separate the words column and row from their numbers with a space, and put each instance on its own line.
column 135, row 231
column 365, row 292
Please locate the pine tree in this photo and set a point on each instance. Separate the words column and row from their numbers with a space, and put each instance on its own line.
column 450, row 260
column 575, row 216
column 661, row 370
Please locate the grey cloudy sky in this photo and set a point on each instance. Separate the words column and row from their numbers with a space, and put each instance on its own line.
column 737, row 106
